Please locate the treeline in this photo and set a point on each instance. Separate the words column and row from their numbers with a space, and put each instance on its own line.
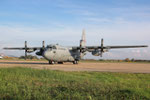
column 125, row 60
column 114, row 60
column 28, row 57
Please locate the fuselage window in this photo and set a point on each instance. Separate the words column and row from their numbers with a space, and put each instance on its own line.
column 49, row 48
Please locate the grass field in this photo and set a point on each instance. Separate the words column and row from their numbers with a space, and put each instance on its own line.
column 27, row 83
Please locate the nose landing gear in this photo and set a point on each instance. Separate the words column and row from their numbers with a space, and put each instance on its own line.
column 51, row 62
column 75, row 62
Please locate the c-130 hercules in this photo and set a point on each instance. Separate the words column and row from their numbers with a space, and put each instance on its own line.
column 60, row 54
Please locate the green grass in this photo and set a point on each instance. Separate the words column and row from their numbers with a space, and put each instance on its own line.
column 26, row 83
column 114, row 61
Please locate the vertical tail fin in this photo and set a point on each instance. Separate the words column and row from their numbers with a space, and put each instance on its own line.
column 83, row 39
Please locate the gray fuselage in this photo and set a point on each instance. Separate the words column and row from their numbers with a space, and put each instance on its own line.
column 58, row 53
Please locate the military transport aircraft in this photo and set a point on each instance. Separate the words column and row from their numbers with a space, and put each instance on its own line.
column 56, row 53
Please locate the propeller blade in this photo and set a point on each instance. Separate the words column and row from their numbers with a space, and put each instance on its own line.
column 80, row 46
column 102, row 43
column 102, row 47
column 43, row 44
column 25, row 49
column 25, row 54
column 101, row 54
column 25, row 44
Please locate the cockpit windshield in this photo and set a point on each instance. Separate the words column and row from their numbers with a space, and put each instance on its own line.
column 54, row 47
column 51, row 46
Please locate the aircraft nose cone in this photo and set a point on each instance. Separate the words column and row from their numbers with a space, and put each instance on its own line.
column 48, row 55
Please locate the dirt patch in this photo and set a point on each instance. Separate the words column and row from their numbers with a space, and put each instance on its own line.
column 103, row 67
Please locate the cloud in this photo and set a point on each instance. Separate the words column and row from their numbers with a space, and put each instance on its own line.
column 98, row 20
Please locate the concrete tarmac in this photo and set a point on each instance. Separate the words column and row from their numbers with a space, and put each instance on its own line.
column 82, row 66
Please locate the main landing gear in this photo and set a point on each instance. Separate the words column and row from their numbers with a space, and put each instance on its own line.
column 52, row 62
column 75, row 62
column 60, row 62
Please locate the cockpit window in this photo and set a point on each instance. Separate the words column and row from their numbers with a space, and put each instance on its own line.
column 54, row 47
column 51, row 47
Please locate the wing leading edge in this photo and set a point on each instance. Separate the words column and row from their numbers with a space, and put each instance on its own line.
column 116, row 47
column 111, row 47
column 23, row 48
column 27, row 48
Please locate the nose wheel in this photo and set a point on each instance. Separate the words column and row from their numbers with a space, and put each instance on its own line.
column 51, row 62
column 75, row 62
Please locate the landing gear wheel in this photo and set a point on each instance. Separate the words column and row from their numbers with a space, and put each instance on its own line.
column 51, row 62
column 75, row 62
column 60, row 62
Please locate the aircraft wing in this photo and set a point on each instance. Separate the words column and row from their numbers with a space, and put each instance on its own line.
column 23, row 48
column 27, row 49
column 92, row 48
column 116, row 47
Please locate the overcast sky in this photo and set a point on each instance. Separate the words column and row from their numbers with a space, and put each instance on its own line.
column 119, row 22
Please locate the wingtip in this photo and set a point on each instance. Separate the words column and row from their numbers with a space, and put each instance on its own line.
column 145, row 46
column 4, row 48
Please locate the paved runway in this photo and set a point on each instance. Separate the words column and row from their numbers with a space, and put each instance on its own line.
column 91, row 66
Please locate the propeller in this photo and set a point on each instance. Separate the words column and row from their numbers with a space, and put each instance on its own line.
column 25, row 49
column 81, row 46
column 43, row 44
column 40, row 52
column 102, row 47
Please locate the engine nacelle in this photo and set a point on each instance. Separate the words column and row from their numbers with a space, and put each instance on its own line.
column 105, row 50
column 96, row 53
column 30, row 50
column 39, row 53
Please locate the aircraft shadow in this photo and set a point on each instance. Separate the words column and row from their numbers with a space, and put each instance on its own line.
column 26, row 63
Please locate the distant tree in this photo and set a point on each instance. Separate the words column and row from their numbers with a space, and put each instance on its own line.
column 127, row 60
column 101, row 59
column 28, row 57
column 120, row 61
column 42, row 58
column 133, row 60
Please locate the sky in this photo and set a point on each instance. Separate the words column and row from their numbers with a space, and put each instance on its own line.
column 119, row 22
